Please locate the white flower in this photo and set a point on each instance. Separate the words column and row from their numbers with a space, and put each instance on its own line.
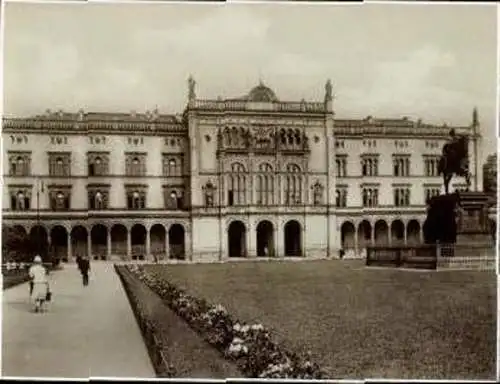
column 235, row 349
column 237, row 327
column 245, row 328
column 257, row 327
column 237, row 340
column 220, row 309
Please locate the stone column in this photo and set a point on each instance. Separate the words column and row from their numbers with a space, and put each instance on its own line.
column 148, row 244
column 129, row 243
column 275, row 242
column 405, row 234
column 356, row 245
column 167, row 250
column 108, row 246
column 89, row 245
column 251, row 239
column 70, row 256
column 247, row 241
column 389, row 236
column 280, row 242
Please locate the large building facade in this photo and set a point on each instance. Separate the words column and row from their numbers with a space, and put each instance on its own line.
column 246, row 177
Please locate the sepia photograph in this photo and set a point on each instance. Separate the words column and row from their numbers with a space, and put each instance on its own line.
column 218, row 191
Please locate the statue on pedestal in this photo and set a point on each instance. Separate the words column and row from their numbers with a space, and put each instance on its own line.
column 455, row 160
column 191, row 85
column 328, row 91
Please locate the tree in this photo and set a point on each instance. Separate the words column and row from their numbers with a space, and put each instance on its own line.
column 490, row 175
column 16, row 245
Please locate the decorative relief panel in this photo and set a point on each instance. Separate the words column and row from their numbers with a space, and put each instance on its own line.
column 97, row 139
column 135, row 140
column 19, row 139
column 58, row 140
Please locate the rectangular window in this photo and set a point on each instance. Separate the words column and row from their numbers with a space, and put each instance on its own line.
column 401, row 165
column 20, row 198
column 98, row 198
column 60, row 198
column 431, row 192
column 431, row 166
column 19, row 163
column 401, row 196
column 341, row 165
column 135, row 164
column 230, row 198
column 369, row 166
column 172, row 165
column 60, row 164
column 370, row 196
column 136, row 196
column 341, row 197
column 173, row 197
column 98, row 163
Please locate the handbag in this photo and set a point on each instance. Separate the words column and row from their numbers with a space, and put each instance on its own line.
column 48, row 297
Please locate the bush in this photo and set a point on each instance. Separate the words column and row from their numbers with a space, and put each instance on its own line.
column 249, row 346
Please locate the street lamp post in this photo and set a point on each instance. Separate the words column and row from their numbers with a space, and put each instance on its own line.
column 39, row 186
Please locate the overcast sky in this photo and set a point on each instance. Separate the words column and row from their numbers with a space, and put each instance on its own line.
column 434, row 62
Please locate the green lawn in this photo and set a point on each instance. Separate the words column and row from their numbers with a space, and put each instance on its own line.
column 360, row 322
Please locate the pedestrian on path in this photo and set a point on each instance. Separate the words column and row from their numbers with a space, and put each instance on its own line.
column 38, row 276
column 85, row 269
column 79, row 262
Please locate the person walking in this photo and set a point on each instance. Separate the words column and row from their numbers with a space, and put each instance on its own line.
column 84, row 269
column 79, row 262
column 40, row 292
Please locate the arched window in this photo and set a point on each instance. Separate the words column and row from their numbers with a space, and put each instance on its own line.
column 136, row 200
column 20, row 201
column 265, row 185
column 174, row 200
column 293, row 185
column 237, row 185
column 243, row 137
column 60, row 201
column 172, row 164
column 209, row 194
column 234, row 137
column 20, row 162
column 317, row 193
column 290, row 137
column 298, row 138
column 227, row 137
column 98, row 200
column 283, row 137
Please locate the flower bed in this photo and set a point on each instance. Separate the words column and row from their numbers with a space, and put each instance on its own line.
column 249, row 346
column 148, row 329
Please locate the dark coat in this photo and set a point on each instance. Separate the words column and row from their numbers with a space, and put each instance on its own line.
column 79, row 262
column 84, row 265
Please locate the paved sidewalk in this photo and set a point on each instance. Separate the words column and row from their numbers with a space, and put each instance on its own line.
column 87, row 332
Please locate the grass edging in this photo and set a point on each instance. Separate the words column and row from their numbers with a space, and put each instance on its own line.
column 148, row 329
column 17, row 277
column 249, row 346
column 10, row 281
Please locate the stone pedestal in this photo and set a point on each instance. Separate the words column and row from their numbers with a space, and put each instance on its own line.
column 440, row 225
column 472, row 219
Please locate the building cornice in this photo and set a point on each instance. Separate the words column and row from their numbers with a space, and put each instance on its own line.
column 153, row 124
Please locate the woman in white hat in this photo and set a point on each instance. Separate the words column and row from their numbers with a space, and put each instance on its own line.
column 38, row 276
